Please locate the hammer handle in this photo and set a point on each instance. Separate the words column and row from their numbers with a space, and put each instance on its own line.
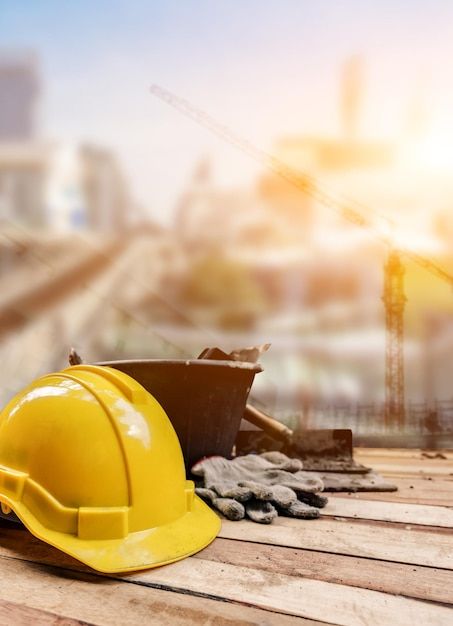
column 274, row 429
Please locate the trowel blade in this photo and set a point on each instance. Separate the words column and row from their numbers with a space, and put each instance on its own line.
column 328, row 450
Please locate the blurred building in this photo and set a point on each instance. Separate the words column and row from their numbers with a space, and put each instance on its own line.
column 211, row 217
column 19, row 91
column 108, row 206
column 63, row 187
column 53, row 185
column 348, row 162
column 23, row 174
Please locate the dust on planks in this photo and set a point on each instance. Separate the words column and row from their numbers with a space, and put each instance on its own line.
column 96, row 599
column 419, row 514
column 411, row 490
column 382, row 541
column 396, row 578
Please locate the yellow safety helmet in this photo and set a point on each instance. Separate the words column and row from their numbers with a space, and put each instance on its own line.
column 91, row 464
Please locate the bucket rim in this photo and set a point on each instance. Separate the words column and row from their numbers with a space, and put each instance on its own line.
column 241, row 365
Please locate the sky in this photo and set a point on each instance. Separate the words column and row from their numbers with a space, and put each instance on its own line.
column 266, row 68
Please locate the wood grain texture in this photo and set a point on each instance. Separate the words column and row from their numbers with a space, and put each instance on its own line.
column 410, row 464
column 99, row 600
column 313, row 599
column 391, row 472
column 412, row 581
column 419, row 514
column 402, row 453
column 413, row 545
column 407, row 580
column 95, row 599
column 389, row 468
column 17, row 614
column 344, row 569
column 414, row 490
column 274, row 589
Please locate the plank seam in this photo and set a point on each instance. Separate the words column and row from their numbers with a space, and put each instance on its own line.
column 361, row 556
column 158, row 586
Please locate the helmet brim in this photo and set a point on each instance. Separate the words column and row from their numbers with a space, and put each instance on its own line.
column 139, row 550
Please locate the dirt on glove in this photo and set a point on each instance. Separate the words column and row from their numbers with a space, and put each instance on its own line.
column 260, row 487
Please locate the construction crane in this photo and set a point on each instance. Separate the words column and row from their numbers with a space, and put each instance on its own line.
column 394, row 300
column 393, row 296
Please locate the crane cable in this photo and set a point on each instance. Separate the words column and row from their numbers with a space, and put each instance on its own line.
column 348, row 209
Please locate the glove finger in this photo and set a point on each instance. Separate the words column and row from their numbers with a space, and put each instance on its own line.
column 283, row 462
column 300, row 510
column 232, row 490
column 313, row 499
column 231, row 509
column 260, row 511
column 207, row 494
column 198, row 469
column 283, row 496
column 258, row 490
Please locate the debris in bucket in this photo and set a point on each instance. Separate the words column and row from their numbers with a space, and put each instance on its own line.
column 249, row 355
column 243, row 355
column 74, row 357
column 259, row 487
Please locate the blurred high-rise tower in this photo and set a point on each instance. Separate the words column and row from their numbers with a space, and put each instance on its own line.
column 19, row 90
column 351, row 97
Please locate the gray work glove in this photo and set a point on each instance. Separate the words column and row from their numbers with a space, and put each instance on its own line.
column 259, row 486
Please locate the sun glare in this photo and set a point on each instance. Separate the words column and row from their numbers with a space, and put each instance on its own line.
column 433, row 151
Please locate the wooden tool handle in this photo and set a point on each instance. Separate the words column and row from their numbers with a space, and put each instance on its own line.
column 274, row 429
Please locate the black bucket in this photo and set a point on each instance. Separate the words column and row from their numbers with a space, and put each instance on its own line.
column 204, row 399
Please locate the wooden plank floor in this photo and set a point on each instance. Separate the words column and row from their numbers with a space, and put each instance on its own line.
column 372, row 559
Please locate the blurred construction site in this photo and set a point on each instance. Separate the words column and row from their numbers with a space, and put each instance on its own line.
column 361, row 333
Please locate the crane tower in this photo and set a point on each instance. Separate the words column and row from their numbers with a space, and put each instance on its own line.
column 394, row 303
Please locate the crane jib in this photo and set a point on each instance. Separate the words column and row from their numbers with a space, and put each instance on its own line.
column 302, row 180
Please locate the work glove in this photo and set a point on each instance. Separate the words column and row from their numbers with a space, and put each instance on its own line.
column 259, row 486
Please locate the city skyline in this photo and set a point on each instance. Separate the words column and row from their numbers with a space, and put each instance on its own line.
column 266, row 69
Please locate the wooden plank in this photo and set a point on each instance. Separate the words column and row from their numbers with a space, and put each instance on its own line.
column 412, row 469
column 401, row 453
column 313, row 599
column 391, row 475
column 269, row 590
column 436, row 492
column 432, row 499
column 95, row 599
column 425, row 583
column 419, row 514
column 435, row 467
column 415, row 545
column 20, row 615
column 422, row 463
column 412, row 581
column 124, row 603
